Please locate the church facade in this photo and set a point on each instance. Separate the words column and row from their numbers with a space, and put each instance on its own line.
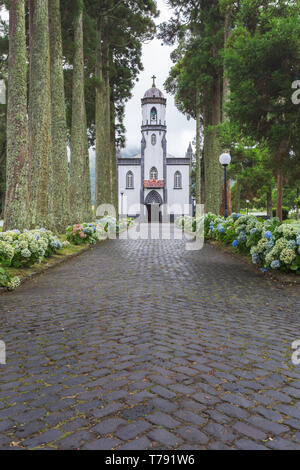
column 153, row 178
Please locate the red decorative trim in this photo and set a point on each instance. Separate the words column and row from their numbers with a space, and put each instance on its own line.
column 154, row 183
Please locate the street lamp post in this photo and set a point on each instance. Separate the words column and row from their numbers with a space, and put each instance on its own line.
column 225, row 160
column 122, row 194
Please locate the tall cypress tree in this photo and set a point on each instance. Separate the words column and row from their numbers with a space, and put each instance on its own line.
column 59, row 197
column 39, row 111
column 79, row 174
column 16, row 205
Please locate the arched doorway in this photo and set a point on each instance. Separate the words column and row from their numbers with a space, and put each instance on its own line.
column 153, row 202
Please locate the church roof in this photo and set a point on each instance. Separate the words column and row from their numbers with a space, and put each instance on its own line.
column 153, row 93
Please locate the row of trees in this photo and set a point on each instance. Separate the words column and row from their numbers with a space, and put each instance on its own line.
column 71, row 67
column 235, row 64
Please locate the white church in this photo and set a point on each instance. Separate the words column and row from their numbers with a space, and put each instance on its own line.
column 154, row 181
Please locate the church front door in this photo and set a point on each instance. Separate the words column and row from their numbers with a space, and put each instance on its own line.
column 154, row 213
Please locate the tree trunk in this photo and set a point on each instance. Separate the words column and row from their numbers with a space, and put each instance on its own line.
column 198, row 150
column 213, row 171
column 206, row 151
column 279, row 194
column 108, row 119
column 16, row 201
column 237, row 198
column 226, row 87
column 39, row 112
column 79, row 166
column 114, row 185
column 102, row 176
column 281, row 154
column 269, row 203
column 297, row 204
column 59, row 195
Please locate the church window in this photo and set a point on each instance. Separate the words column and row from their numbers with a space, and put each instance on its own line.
column 153, row 115
column 177, row 180
column 129, row 180
column 153, row 173
column 153, row 139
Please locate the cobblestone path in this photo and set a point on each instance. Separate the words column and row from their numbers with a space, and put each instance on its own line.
column 143, row 345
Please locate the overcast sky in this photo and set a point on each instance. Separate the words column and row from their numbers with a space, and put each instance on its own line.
column 156, row 60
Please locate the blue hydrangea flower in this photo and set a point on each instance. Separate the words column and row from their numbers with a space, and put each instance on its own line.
column 236, row 216
column 255, row 258
column 212, row 226
column 268, row 234
column 298, row 240
column 270, row 244
column 235, row 243
column 242, row 236
column 264, row 270
column 291, row 244
column 220, row 228
column 253, row 231
column 43, row 230
column 275, row 264
column 59, row 245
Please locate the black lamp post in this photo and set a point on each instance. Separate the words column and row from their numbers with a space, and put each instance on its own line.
column 122, row 194
column 225, row 160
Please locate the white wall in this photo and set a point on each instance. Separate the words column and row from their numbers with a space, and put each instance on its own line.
column 153, row 154
column 131, row 196
column 178, row 196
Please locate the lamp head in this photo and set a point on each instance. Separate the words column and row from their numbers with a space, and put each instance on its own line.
column 225, row 159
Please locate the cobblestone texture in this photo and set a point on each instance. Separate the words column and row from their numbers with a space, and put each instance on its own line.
column 140, row 345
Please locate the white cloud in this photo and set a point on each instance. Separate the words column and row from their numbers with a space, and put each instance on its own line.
column 156, row 60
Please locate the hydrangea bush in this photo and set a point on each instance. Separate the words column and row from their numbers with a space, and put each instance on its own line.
column 24, row 249
column 110, row 224
column 83, row 233
column 93, row 232
column 8, row 281
column 271, row 244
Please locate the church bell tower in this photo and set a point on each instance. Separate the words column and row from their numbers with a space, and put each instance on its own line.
column 153, row 147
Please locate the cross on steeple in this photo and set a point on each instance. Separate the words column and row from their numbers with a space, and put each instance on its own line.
column 153, row 84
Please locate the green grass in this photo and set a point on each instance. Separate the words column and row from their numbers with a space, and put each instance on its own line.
column 61, row 255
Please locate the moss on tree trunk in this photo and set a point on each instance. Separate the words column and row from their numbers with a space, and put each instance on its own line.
column 59, row 195
column 114, row 183
column 103, row 176
column 279, row 194
column 213, row 169
column 269, row 203
column 79, row 167
column 16, row 205
column 237, row 198
column 198, row 150
column 39, row 112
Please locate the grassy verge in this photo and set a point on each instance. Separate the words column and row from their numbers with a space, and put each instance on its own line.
column 279, row 276
column 60, row 257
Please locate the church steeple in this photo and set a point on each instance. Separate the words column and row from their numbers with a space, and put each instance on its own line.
column 153, row 84
column 189, row 152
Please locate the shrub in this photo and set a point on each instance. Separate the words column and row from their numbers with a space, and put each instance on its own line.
column 24, row 249
column 271, row 244
column 82, row 233
column 8, row 281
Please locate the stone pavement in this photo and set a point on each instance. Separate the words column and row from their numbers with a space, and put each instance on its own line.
column 144, row 345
